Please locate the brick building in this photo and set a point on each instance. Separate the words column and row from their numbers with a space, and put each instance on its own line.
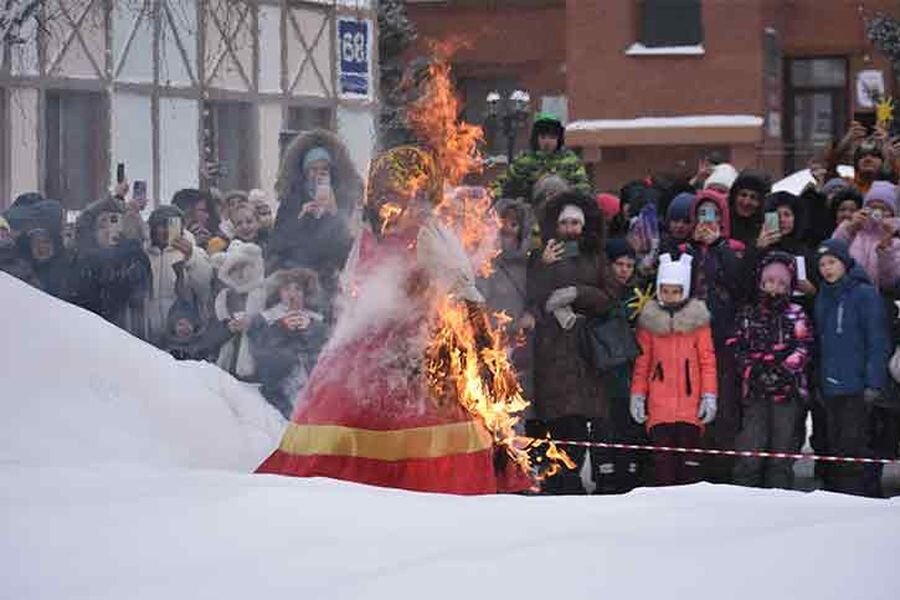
column 658, row 83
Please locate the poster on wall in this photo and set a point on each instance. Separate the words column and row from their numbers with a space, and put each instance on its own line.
column 354, row 39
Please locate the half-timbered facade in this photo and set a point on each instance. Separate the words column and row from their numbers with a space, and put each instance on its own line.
column 184, row 92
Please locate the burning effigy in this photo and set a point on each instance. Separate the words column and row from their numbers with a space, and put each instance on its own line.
column 415, row 390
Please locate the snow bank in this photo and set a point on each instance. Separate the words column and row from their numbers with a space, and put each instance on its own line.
column 79, row 391
column 227, row 536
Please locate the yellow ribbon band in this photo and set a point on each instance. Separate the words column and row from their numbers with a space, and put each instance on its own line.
column 399, row 444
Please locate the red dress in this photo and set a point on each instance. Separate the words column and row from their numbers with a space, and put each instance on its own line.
column 366, row 414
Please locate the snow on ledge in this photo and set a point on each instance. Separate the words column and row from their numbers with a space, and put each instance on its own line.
column 638, row 49
column 666, row 122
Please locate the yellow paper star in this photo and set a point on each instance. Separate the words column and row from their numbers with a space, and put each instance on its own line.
column 884, row 111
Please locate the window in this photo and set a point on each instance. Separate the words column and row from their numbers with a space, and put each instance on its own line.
column 816, row 107
column 231, row 138
column 473, row 95
column 305, row 118
column 666, row 23
column 76, row 158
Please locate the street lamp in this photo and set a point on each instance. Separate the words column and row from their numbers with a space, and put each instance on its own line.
column 510, row 114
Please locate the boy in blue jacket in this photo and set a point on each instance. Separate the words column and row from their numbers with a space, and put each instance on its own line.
column 854, row 349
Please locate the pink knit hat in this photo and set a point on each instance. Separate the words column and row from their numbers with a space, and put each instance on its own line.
column 779, row 272
column 609, row 205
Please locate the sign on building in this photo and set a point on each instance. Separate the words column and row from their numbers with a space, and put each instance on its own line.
column 354, row 39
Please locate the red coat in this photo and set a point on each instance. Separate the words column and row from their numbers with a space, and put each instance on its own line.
column 678, row 364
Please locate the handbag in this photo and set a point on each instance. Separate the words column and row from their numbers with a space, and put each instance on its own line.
column 607, row 342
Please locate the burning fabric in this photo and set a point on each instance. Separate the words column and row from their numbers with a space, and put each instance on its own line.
column 415, row 390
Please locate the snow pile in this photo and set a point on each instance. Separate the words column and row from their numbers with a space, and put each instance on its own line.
column 79, row 391
column 227, row 536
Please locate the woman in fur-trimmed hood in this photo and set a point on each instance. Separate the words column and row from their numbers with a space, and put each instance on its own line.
column 318, row 190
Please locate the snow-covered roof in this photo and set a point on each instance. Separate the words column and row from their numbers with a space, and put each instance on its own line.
column 638, row 49
column 688, row 121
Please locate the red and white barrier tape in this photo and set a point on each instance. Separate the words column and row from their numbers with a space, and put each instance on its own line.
column 714, row 452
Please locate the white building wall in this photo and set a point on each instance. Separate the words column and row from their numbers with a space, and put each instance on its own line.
column 269, row 49
column 132, row 139
column 178, row 146
column 269, row 128
column 356, row 126
column 23, row 143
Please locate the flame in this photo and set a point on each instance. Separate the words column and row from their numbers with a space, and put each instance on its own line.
column 387, row 214
column 467, row 357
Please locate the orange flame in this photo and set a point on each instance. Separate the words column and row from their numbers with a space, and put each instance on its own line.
column 467, row 358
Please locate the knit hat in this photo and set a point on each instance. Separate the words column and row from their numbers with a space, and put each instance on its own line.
column 779, row 271
column 680, row 207
column 885, row 192
column 571, row 211
column 751, row 179
column 836, row 248
column 619, row 247
column 723, row 175
column 834, row 185
column 675, row 273
column 316, row 154
column 609, row 204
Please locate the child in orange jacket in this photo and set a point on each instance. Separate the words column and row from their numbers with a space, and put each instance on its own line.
column 673, row 388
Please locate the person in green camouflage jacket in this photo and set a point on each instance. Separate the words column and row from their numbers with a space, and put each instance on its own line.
column 548, row 155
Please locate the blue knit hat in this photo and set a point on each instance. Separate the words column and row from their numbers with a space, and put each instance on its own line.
column 316, row 154
column 680, row 207
column 836, row 248
column 619, row 247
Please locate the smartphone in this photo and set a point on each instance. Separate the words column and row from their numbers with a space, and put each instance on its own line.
column 877, row 214
column 706, row 214
column 570, row 250
column 139, row 190
column 174, row 227
column 72, row 217
column 120, row 172
column 866, row 119
column 772, row 223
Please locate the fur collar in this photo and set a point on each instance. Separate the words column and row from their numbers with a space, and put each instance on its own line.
column 657, row 320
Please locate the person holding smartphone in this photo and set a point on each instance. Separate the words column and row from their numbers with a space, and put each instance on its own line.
column 180, row 269
column 318, row 190
column 568, row 282
column 872, row 234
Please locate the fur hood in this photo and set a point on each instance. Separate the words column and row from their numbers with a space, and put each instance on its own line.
column 290, row 187
column 240, row 253
column 593, row 238
column 688, row 319
column 526, row 222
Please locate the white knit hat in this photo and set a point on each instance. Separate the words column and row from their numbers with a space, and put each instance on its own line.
column 675, row 273
column 571, row 211
column 723, row 174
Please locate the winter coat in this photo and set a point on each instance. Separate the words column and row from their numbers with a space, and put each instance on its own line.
column 565, row 384
column 505, row 289
column 12, row 262
column 881, row 265
column 746, row 229
column 719, row 274
column 113, row 282
column 529, row 167
column 284, row 358
column 678, row 363
column 242, row 272
column 197, row 274
column 772, row 345
column 854, row 340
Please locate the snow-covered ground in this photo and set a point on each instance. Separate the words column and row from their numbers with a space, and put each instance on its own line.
column 125, row 475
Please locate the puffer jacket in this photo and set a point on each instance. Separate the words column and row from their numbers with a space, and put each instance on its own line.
column 881, row 265
column 678, row 363
column 854, row 340
column 197, row 274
